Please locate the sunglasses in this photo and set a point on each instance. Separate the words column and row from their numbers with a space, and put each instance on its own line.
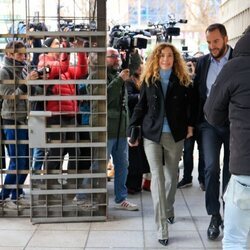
column 114, row 56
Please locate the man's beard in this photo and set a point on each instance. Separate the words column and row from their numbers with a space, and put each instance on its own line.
column 115, row 67
column 221, row 52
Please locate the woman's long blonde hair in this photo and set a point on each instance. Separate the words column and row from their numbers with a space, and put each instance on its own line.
column 152, row 68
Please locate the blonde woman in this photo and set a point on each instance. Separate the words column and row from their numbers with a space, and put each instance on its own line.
column 166, row 112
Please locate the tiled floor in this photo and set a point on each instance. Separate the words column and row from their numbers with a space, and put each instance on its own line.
column 124, row 230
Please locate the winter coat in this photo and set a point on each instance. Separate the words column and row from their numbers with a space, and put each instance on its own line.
column 117, row 106
column 178, row 106
column 133, row 94
column 230, row 98
column 61, row 70
column 16, row 108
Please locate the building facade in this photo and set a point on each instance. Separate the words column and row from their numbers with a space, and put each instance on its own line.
column 235, row 15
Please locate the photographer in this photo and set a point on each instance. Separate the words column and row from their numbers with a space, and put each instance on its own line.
column 14, row 112
column 117, row 124
column 21, row 28
column 63, row 111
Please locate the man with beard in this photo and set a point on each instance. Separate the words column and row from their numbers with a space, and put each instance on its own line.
column 117, row 125
column 212, row 137
column 229, row 99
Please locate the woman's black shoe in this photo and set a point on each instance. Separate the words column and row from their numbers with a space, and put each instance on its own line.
column 170, row 220
column 163, row 242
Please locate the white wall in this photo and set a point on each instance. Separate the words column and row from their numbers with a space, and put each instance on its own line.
column 235, row 15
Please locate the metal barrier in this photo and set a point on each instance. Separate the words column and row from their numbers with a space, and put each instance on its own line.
column 67, row 155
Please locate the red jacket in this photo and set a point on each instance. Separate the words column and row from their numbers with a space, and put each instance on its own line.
column 60, row 69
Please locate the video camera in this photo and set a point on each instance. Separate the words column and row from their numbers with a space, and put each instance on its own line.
column 21, row 28
column 123, row 38
column 165, row 31
column 189, row 58
column 69, row 25
column 37, row 26
column 186, row 56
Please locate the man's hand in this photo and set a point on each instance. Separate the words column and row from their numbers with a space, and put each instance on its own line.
column 78, row 43
column 33, row 75
column 124, row 74
column 190, row 132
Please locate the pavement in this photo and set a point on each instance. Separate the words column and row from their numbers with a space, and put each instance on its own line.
column 123, row 230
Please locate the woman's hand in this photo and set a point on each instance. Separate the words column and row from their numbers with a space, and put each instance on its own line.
column 133, row 144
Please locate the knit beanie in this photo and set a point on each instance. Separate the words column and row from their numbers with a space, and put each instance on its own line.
column 47, row 43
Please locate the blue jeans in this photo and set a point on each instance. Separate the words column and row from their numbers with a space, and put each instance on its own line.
column 38, row 158
column 237, row 213
column 19, row 160
column 212, row 140
column 86, row 182
column 188, row 159
column 120, row 160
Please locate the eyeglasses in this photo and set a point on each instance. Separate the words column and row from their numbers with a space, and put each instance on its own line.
column 114, row 56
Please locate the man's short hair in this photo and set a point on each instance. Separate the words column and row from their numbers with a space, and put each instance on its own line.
column 217, row 26
column 14, row 46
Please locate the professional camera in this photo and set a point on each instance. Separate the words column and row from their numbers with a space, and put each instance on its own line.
column 189, row 58
column 69, row 25
column 38, row 26
column 123, row 38
column 186, row 56
column 165, row 31
column 21, row 28
column 43, row 71
column 84, row 26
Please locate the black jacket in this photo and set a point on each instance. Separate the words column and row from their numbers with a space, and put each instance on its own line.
column 230, row 98
column 179, row 106
column 133, row 94
column 200, row 82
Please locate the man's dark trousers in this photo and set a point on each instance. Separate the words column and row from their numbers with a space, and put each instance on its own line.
column 188, row 160
column 212, row 140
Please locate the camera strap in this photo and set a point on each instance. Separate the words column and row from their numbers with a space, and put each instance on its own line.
column 120, row 115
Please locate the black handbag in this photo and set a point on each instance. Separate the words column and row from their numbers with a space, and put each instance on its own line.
column 135, row 134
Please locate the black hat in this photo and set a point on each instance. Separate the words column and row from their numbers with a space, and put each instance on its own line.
column 47, row 43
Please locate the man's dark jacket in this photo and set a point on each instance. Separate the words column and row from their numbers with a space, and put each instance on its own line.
column 117, row 105
column 200, row 82
column 179, row 106
column 230, row 98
